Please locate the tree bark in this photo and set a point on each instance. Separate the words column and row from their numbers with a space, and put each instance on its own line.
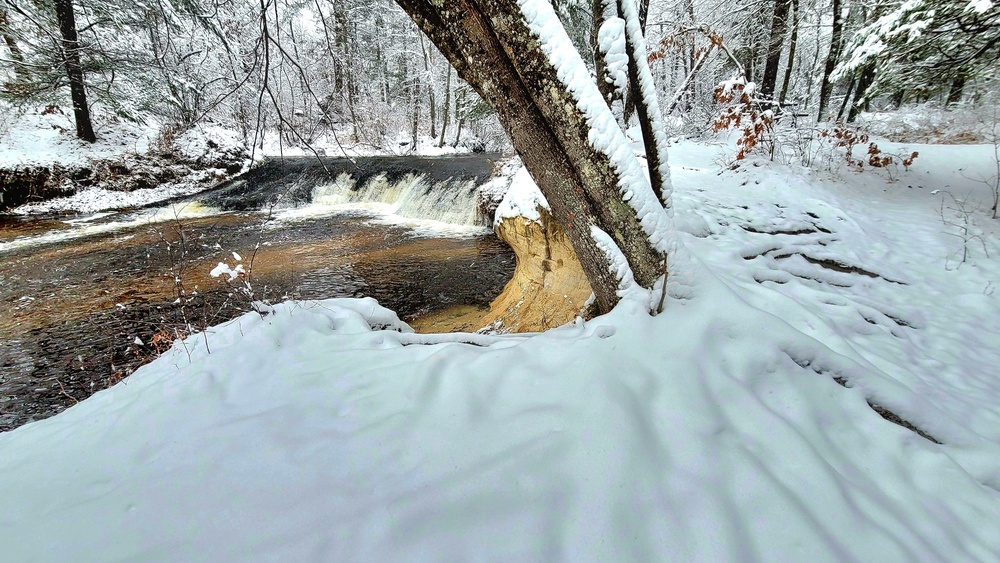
column 779, row 25
column 792, row 42
column 491, row 46
column 865, row 81
column 826, row 88
column 74, row 71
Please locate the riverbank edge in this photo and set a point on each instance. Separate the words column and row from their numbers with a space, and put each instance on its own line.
column 32, row 183
column 548, row 287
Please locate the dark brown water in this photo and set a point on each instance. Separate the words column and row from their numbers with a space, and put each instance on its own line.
column 72, row 312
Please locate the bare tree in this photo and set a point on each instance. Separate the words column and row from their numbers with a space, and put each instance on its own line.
column 17, row 58
column 792, row 44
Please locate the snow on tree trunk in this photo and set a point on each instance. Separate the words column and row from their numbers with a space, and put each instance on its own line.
column 610, row 58
column 647, row 105
column 518, row 57
column 604, row 135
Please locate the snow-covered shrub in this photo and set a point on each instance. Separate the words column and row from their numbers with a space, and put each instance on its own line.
column 841, row 141
column 776, row 136
column 741, row 112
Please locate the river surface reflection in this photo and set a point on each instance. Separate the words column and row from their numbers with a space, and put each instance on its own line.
column 78, row 298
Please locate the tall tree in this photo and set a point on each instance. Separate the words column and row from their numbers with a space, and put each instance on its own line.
column 776, row 41
column 446, row 106
column 547, row 103
column 792, row 44
column 74, row 71
column 826, row 86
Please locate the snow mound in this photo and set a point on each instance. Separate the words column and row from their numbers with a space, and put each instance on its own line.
column 306, row 434
column 211, row 145
column 521, row 199
column 47, row 136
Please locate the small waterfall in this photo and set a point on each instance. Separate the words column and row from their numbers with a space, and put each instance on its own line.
column 409, row 195
column 437, row 188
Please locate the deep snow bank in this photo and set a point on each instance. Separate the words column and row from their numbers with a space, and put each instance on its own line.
column 720, row 430
column 307, row 435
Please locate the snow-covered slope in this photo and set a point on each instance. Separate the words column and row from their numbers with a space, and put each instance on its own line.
column 734, row 426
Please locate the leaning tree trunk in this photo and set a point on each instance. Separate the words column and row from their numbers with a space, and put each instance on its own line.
column 630, row 95
column 74, row 71
column 644, row 99
column 865, row 81
column 493, row 49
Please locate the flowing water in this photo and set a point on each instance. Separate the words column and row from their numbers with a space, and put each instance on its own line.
column 86, row 300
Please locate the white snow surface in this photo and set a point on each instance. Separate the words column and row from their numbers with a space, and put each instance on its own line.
column 980, row 6
column 713, row 432
column 36, row 138
column 522, row 198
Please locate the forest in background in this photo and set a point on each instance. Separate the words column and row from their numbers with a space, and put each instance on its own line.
column 361, row 72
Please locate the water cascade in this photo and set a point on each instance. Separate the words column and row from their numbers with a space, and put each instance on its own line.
column 411, row 195
column 437, row 188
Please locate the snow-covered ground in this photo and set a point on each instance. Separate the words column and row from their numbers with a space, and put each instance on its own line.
column 42, row 137
column 734, row 426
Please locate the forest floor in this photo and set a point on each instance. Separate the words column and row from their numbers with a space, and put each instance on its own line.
column 811, row 313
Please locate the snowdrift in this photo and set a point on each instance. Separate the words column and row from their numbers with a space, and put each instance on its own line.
column 737, row 425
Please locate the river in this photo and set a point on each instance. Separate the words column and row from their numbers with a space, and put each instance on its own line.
column 89, row 299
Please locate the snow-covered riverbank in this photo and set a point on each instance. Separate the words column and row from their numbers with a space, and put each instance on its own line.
column 736, row 425
column 45, row 169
